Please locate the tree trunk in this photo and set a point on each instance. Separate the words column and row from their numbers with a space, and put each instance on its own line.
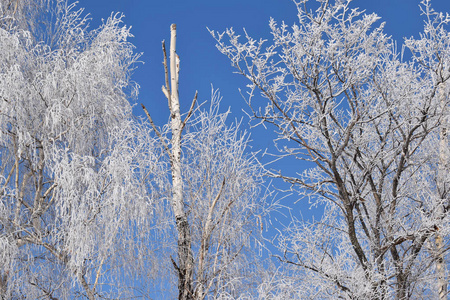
column 442, row 175
column 185, row 259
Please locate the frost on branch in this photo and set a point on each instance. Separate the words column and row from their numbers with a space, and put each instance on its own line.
column 338, row 94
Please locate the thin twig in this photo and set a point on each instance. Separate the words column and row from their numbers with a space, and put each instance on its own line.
column 191, row 109
column 47, row 192
column 166, row 90
column 98, row 274
column 156, row 130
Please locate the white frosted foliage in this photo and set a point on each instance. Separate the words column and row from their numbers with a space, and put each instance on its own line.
column 72, row 154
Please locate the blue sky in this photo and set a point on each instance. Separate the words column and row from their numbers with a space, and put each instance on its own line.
column 203, row 65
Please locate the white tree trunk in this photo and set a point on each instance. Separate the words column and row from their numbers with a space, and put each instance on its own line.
column 442, row 174
column 185, row 259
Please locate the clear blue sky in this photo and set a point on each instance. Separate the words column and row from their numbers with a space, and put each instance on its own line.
column 203, row 65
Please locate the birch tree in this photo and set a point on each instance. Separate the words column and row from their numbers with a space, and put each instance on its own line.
column 373, row 122
column 71, row 155
column 216, row 198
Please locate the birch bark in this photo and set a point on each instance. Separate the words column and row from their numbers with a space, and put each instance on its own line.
column 442, row 173
column 185, row 258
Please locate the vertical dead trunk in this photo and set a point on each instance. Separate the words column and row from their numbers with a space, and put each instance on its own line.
column 185, row 259
column 185, row 265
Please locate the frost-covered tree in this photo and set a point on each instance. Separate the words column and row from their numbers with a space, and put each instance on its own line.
column 374, row 123
column 215, row 198
column 71, row 154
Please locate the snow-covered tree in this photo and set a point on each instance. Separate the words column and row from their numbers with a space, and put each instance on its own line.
column 374, row 123
column 71, row 154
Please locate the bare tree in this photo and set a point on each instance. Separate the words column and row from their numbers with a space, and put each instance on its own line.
column 216, row 196
column 340, row 96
